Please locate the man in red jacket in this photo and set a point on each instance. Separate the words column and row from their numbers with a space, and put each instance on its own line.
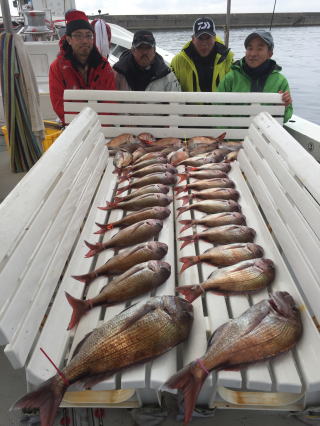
column 79, row 64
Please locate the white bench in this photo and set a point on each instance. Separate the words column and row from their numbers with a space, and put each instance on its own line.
column 48, row 215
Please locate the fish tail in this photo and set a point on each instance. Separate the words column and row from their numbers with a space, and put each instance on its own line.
column 182, row 210
column 179, row 189
column 185, row 199
column 117, row 171
column 188, row 239
column 123, row 178
column 182, row 176
column 190, row 292
column 109, row 206
column 149, row 142
column 47, row 398
column 94, row 248
column 104, row 227
column 221, row 137
column 187, row 224
column 85, row 278
column 188, row 261
column 119, row 191
column 190, row 384
column 79, row 308
column 118, row 199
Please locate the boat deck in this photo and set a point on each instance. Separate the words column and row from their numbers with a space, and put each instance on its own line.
column 11, row 386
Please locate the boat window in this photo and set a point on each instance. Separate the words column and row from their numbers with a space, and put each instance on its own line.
column 117, row 50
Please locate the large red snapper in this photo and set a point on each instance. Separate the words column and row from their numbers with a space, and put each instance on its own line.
column 265, row 330
column 136, row 335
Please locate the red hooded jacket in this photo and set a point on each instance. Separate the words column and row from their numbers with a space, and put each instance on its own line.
column 63, row 74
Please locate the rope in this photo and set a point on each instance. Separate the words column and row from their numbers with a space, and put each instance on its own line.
column 23, row 145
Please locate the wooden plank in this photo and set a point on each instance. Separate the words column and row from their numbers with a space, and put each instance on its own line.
column 292, row 184
column 44, row 229
column 38, row 184
column 161, row 132
column 174, row 108
column 298, row 160
column 295, row 239
column 60, row 242
column 38, row 369
column 176, row 97
column 310, row 336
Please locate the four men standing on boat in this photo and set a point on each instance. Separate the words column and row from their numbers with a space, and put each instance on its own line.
column 142, row 68
column 204, row 64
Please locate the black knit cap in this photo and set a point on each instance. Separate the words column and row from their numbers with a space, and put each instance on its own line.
column 76, row 20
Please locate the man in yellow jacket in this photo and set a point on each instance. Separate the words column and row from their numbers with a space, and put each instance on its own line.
column 204, row 61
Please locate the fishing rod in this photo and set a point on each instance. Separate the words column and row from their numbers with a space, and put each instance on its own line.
column 227, row 27
column 274, row 6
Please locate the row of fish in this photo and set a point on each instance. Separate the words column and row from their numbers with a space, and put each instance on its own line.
column 240, row 262
column 150, row 328
column 269, row 327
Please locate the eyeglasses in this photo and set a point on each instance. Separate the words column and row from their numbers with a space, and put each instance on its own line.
column 82, row 36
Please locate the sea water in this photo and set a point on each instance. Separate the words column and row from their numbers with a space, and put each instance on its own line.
column 297, row 51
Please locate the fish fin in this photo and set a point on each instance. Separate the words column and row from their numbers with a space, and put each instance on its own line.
column 187, row 224
column 190, row 292
column 179, row 189
column 221, row 137
column 190, row 382
column 185, row 199
column 182, row 176
column 94, row 248
column 191, row 169
column 80, row 307
column 182, row 210
column 47, row 398
column 85, row 278
column 188, row 239
column 109, row 206
column 188, row 261
column 121, row 190
column 118, row 199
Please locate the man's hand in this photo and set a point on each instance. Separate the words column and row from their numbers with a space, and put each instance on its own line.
column 286, row 98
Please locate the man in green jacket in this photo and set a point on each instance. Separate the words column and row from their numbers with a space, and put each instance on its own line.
column 203, row 61
column 257, row 72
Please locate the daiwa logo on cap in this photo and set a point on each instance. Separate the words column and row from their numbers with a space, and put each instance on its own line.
column 204, row 26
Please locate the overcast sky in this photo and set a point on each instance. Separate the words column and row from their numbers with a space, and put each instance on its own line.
column 132, row 7
column 128, row 7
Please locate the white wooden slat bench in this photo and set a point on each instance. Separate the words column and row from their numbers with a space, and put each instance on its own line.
column 54, row 208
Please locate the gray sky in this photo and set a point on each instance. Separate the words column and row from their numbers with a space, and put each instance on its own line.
column 132, row 7
column 129, row 7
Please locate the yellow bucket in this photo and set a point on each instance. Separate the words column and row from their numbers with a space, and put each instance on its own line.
column 52, row 131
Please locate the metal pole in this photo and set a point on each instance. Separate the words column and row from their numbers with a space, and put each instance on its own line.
column 274, row 7
column 6, row 16
column 226, row 36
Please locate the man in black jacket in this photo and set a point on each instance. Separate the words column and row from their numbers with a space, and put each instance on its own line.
column 141, row 68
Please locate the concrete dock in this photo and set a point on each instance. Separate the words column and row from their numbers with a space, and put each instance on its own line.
column 237, row 20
